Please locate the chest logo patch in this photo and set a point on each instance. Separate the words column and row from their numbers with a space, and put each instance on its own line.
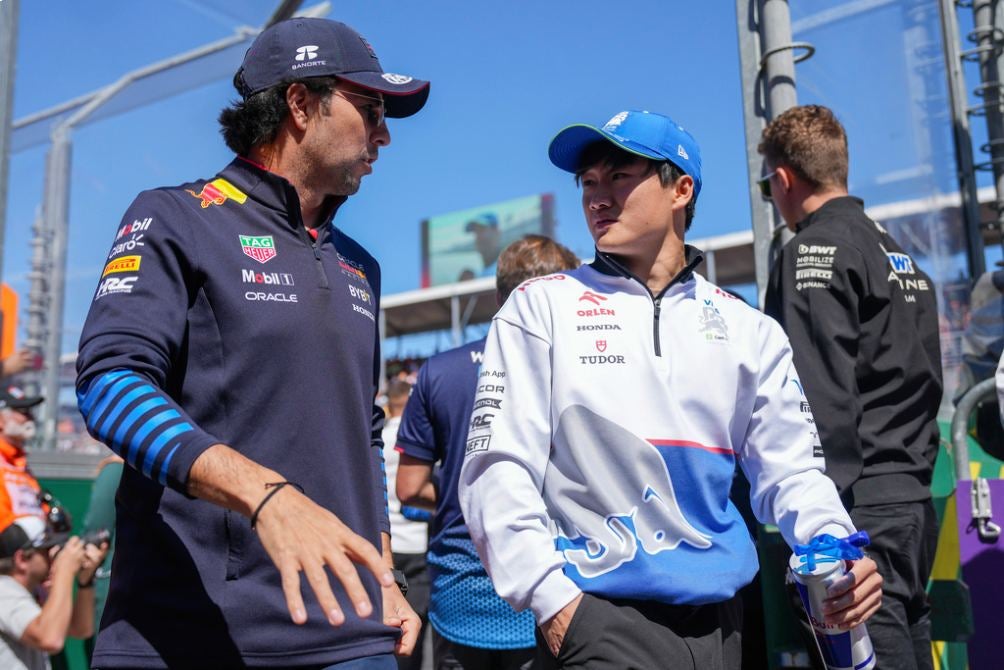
column 713, row 325
column 260, row 248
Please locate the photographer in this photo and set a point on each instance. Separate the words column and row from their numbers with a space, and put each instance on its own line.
column 33, row 559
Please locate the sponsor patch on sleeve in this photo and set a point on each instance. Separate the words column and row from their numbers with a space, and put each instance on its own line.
column 124, row 264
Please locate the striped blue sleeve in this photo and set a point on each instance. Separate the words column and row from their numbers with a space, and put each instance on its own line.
column 143, row 425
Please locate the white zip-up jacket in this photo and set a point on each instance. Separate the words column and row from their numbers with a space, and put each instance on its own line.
column 605, row 434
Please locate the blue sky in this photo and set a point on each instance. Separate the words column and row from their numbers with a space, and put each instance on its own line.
column 505, row 77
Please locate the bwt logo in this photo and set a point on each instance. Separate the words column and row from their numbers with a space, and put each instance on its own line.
column 594, row 298
column 306, row 52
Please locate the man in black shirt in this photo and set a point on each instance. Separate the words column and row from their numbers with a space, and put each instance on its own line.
column 863, row 323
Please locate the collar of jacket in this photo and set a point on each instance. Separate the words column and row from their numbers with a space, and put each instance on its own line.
column 841, row 204
column 609, row 265
column 275, row 192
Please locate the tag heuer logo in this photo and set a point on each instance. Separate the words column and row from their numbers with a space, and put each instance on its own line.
column 262, row 249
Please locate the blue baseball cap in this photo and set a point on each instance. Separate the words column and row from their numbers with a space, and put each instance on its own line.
column 300, row 48
column 643, row 133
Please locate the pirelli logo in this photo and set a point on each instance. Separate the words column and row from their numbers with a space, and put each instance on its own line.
column 124, row 264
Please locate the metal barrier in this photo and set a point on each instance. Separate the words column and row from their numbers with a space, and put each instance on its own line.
column 979, row 494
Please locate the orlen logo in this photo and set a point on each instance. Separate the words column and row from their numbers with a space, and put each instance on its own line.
column 594, row 298
column 306, row 52
column 275, row 278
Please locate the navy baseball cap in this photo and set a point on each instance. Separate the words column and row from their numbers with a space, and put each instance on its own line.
column 299, row 48
column 14, row 398
column 646, row 134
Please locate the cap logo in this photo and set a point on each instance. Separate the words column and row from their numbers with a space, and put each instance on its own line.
column 615, row 122
column 680, row 151
column 306, row 52
column 368, row 47
column 396, row 79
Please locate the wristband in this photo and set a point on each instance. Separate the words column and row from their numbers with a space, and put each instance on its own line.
column 276, row 487
column 88, row 585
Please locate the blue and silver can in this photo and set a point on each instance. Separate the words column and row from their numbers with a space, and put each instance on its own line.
column 841, row 649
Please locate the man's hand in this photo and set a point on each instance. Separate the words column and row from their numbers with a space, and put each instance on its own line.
column 17, row 362
column 299, row 534
column 397, row 612
column 554, row 629
column 854, row 597
column 93, row 557
column 68, row 559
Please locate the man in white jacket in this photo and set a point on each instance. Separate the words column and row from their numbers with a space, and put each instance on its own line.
column 613, row 403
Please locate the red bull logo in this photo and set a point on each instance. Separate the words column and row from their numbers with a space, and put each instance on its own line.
column 217, row 192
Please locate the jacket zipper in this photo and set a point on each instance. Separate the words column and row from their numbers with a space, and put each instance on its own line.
column 655, row 325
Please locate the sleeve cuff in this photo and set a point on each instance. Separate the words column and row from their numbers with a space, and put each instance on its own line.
column 552, row 594
column 179, row 469
column 837, row 530
column 416, row 451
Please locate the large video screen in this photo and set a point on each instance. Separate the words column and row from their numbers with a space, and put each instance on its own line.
column 466, row 244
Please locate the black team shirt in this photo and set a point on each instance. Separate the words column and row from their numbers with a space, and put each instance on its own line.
column 863, row 323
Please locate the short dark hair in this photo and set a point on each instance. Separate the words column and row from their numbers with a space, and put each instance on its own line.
column 810, row 140
column 529, row 257
column 610, row 156
column 256, row 120
column 398, row 388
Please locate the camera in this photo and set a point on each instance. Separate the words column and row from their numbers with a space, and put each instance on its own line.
column 96, row 537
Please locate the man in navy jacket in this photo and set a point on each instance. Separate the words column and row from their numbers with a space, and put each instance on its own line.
column 230, row 357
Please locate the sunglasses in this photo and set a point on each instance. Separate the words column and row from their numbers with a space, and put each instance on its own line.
column 764, row 184
column 375, row 114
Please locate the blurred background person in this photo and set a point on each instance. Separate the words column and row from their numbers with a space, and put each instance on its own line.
column 33, row 557
column 408, row 539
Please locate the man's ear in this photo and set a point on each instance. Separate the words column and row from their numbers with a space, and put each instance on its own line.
column 786, row 177
column 684, row 188
column 299, row 100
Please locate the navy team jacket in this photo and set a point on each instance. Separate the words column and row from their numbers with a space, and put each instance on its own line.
column 218, row 319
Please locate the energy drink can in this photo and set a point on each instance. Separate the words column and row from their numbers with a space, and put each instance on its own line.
column 840, row 649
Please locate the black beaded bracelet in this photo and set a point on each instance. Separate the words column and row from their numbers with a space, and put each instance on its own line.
column 276, row 487
column 88, row 585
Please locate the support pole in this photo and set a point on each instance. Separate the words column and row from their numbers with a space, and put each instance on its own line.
column 56, row 215
column 962, row 136
column 767, row 64
column 8, row 53
column 988, row 36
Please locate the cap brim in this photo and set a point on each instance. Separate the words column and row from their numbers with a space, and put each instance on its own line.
column 567, row 146
column 22, row 403
column 400, row 100
column 52, row 540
